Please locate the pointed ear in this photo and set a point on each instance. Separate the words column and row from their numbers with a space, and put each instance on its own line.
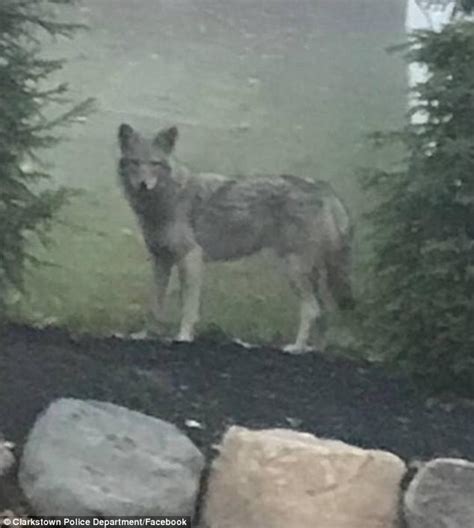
column 125, row 134
column 166, row 139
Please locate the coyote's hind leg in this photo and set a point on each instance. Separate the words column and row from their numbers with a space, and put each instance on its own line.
column 303, row 285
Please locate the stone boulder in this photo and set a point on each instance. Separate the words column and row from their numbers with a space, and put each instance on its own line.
column 284, row 479
column 441, row 495
column 96, row 458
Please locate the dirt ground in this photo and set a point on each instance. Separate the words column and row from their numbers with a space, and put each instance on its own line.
column 218, row 385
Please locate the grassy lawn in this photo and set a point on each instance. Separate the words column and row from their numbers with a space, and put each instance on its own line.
column 268, row 88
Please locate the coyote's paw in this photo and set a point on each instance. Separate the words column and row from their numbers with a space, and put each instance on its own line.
column 184, row 337
column 297, row 349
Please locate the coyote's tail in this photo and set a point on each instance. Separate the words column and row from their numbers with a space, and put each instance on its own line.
column 338, row 252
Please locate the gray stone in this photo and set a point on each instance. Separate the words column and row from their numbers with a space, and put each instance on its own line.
column 96, row 458
column 441, row 495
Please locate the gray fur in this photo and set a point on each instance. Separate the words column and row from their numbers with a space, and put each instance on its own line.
column 187, row 218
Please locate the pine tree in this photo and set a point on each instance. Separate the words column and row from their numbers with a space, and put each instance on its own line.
column 420, row 303
column 27, row 206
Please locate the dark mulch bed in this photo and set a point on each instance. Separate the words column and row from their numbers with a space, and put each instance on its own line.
column 219, row 385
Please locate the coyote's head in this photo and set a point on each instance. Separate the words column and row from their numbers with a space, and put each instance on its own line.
column 144, row 162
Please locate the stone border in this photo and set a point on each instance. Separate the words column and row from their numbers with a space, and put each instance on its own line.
column 279, row 478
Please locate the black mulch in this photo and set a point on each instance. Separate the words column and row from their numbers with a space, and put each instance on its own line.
column 219, row 385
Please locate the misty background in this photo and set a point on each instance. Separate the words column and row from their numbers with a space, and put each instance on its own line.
column 266, row 86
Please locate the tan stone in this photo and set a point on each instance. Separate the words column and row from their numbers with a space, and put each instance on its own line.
column 284, row 479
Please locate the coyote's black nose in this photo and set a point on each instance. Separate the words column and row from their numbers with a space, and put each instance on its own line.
column 143, row 186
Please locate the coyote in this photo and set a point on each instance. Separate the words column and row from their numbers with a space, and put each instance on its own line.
column 188, row 218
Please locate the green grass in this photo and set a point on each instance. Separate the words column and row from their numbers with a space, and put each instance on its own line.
column 307, row 113
column 100, row 281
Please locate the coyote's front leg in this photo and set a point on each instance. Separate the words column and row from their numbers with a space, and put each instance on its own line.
column 161, row 273
column 190, row 276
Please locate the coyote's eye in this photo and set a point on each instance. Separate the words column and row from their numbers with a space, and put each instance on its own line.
column 129, row 163
column 159, row 163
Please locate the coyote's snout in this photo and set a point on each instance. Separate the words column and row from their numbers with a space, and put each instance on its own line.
column 187, row 218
